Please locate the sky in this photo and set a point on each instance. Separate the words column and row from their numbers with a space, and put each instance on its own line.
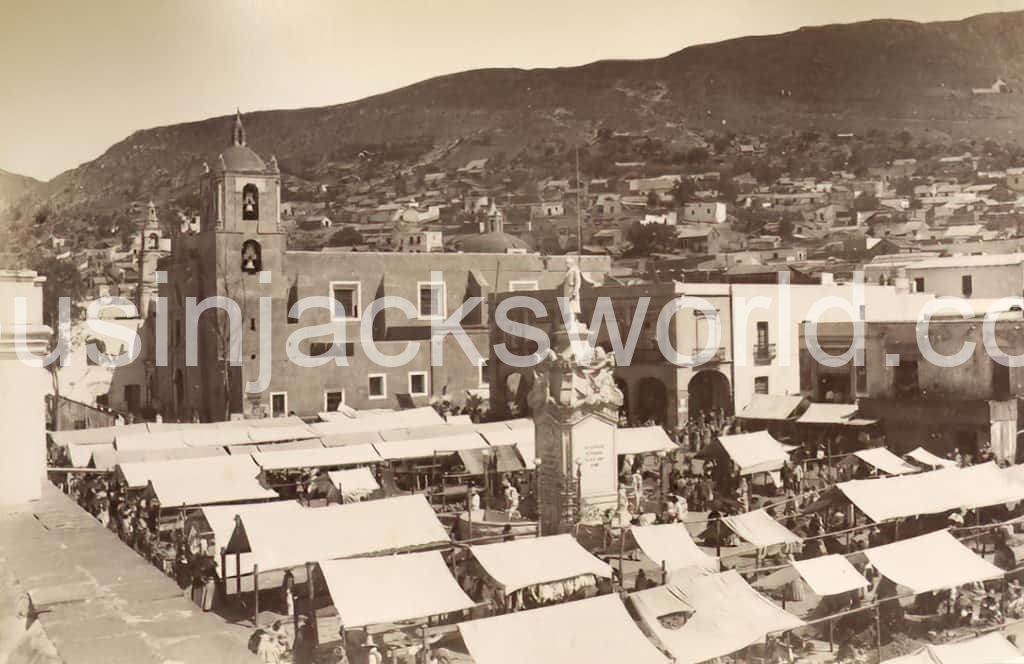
column 77, row 77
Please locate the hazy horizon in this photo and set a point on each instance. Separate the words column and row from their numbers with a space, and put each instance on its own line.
column 88, row 75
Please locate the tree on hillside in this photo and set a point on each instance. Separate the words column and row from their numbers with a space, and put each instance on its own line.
column 651, row 238
column 865, row 202
column 346, row 237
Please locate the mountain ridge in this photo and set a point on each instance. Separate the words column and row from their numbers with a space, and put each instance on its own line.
column 882, row 73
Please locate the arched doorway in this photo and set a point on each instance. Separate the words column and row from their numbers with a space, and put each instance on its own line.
column 651, row 401
column 708, row 392
column 179, row 392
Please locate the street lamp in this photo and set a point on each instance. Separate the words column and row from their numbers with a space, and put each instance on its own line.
column 536, row 490
column 661, row 476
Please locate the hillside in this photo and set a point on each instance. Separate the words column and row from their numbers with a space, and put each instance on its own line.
column 888, row 75
column 14, row 186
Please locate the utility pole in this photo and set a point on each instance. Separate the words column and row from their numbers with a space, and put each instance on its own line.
column 579, row 208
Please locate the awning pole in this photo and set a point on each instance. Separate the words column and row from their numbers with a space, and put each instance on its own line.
column 255, row 594
column 312, row 606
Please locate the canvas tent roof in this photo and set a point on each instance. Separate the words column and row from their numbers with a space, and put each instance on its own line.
column 992, row 648
column 93, row 436
column 727, row 615
column 106, row 458
column 81, row 455
column 204, row 481
column 518, row 432
column 596, row 631
column 353, row 481
column 926, row 458
column 756, row 452
column 221, row 520
column 833, row 413
column 425, row 447
column 506, row 460
column 371, row 591
column 935, row 561
column 886, row 461
column 265, row 434
column 338, row 531
column 321, row 457
column 933, row 492
column 528, row 562
column 376, row 420
column 642, row 440
column 830, row 575
column 760, row 529
column 771, row 407
column 144, row 440
column 670, row 544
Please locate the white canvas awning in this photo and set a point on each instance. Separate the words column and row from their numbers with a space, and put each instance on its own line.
column 670, row 544
column 354, row 481
column 886, row 461
column 221, row 522
column 988, row 649
column 339, row 531
column 204, row 481
column 760, row 529
column 371, row 591
column 596, row 631
column 933, row 492
column 518, row 432
column 144, row 440
column 770, row 407
column 830, row 575
column 528, row 562
column 81, row 455
column 926, row 458
column 935, row 561
column 642, row 440
column 322, row 457
column 756, row 452
column 427, row 447
column 279, row 434
column 365, row 421
column 724, row 615
column 107, row 458
column 833, row 413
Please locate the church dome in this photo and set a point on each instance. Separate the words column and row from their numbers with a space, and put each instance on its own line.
column 490, row 243
column 242, row 158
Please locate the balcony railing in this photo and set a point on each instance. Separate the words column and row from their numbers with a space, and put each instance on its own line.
column 718, row 357
column 764, row 353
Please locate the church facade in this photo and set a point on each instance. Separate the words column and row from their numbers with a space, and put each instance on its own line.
column 240, row 253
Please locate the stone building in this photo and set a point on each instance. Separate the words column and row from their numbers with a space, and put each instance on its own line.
column 240, row 253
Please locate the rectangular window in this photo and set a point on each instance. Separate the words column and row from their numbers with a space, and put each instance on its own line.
column 966, row 285
column 1000, row 380
column 346, row 296
column 761, row 385
column 278, row 404
column 431, row 299
column 861, row 380
column 321, row 348
column 804, row 359
column 132, row 397
column 919, row 284
column 378, row 386
column 418, row 383
column 515, row 286
column 333, row 399
column 762, row 334
column 485, row 373
column 904, row 379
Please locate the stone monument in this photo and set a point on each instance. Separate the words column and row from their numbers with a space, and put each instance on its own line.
column 575, row 408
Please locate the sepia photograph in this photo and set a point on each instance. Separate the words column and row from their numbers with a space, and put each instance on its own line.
column 572, row 332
